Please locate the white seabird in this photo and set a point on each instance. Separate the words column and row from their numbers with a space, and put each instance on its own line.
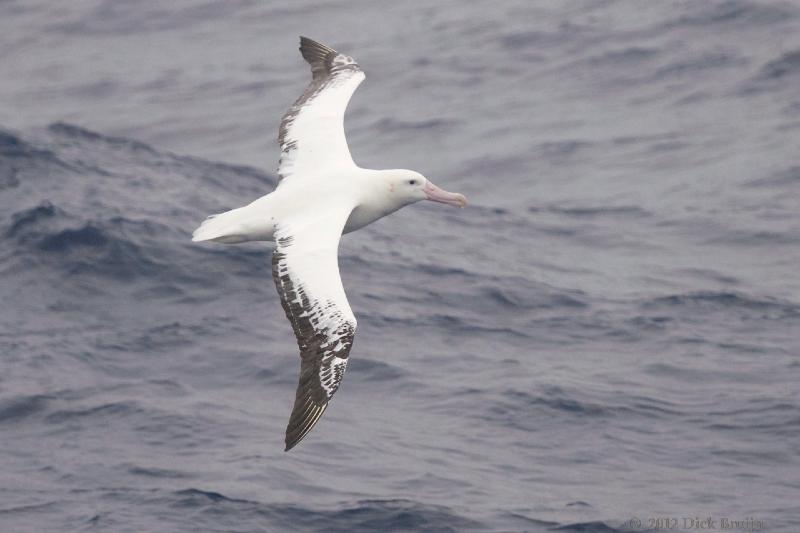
column 321, row 194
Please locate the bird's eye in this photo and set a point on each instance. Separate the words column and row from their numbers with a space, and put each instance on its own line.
column 412, row 182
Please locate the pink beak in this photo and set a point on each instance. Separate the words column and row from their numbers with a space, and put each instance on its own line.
column 436, row 194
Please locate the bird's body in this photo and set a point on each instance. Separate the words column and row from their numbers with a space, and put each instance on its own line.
column 256, row 221
column 321, row 194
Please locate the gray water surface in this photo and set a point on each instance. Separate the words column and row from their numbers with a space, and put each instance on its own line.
column 608, row 332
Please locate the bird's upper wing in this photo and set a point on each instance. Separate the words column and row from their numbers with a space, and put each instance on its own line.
column 305, row 268
column 311, row 134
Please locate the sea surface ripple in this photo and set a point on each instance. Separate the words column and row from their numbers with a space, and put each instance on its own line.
column 609, row 333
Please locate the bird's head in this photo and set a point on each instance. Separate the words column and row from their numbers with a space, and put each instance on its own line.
column 407, row 187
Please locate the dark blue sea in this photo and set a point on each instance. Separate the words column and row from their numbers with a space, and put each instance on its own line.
column 606, row 340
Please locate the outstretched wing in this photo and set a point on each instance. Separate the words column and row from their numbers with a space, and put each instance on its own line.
column 305, row 268
column 311, row 134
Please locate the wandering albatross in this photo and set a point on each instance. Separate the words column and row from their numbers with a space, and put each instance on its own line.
column 320, row 195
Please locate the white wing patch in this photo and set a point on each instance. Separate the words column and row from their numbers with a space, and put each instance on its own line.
column 332, row 374
column 311, row 134
column 306, row 273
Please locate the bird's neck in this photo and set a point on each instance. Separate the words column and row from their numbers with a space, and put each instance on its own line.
column 375, row 200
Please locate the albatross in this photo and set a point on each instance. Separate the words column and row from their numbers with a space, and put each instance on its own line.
column 321, row 194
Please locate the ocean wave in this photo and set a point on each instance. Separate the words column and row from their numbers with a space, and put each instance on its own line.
column 106, row 248
column 725, row 301
column 155, row 472
column 747, row 237
column 590, row 527
column 388, row 125
column 213, row 509
column 91, row 414
column 623, row 56
column 631, row 211
column 163, row 337
column 785, row 178
column 115, row 238
column 76, row 133
column 535, row 410
column 14, row 148
column 375, row 371
column 21, row 407
column 541, row 39
column 785, row 66
column 20, row 160
column 735, row 13
column 774, row 75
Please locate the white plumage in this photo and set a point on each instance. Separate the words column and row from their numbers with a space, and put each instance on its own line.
column 321, row 194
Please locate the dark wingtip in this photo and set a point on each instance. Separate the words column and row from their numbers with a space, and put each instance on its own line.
column 291, row 444
column 314, row 52
column 305, row 416
column 293, row 441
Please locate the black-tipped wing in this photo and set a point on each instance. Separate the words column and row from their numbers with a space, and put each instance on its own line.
column 305, row 268
column 311, row 134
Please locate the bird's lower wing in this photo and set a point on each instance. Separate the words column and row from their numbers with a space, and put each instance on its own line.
column 305, row 268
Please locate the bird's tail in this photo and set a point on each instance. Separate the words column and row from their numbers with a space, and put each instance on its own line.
column 224, row 227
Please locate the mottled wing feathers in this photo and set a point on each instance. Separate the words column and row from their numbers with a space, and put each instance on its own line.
column 306, row 273
column 311, row 133
column 318, row 56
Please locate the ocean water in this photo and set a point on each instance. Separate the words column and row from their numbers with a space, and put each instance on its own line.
column 607, row 336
